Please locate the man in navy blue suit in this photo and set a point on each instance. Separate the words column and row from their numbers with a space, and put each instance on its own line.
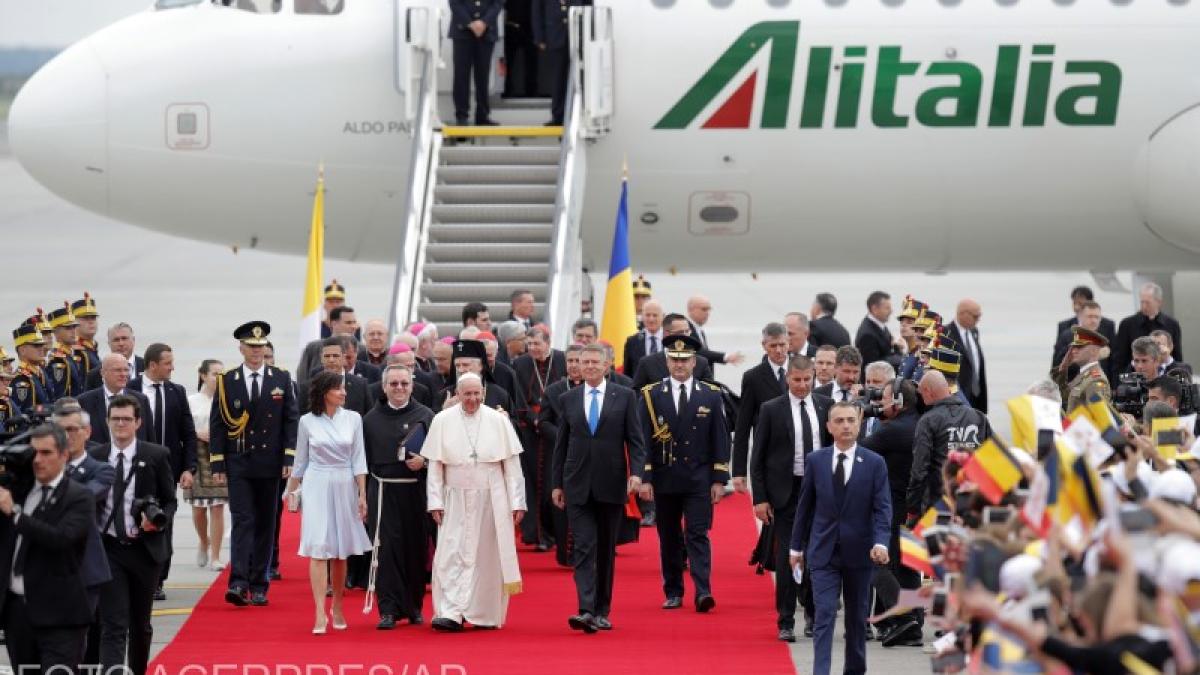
column 843, row 523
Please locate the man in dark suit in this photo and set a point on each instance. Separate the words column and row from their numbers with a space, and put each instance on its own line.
column 549, row 414
column 120, row 341
column 789, row 428
column 333, row 359
column 473, row 29
column 847, row 375
column 134, row 534
column 355, row 366
column 521, row 307
column 699, row 308
column 798, row 331
column 252, row 439
column 653, row 367
column 823, row 329
column 173, row 426
column 843, row 524
column 97, row 477
column 1088, row 316
column 646, row 341
column 893, row 440
column 687, row 467
column 43, row 536
column 551, row 35
column 342, row 321
column 535, row 371
column 873, row 340
column 599, row 459
column 1148, row 319
column 760, row 384
column 501, row 373
column 518, row 39
column 964, row 330
column 114, row 371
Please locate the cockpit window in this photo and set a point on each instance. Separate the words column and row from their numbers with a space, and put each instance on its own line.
column 256, row 6
column 319, row 6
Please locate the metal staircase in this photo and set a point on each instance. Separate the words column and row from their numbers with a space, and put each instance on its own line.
column 491, row 230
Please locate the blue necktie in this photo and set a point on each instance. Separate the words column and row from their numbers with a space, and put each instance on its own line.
column 594, row 412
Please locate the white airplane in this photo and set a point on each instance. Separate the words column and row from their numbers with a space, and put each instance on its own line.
column 759, row 134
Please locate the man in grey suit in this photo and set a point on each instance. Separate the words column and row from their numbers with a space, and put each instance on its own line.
column 592, row 479
column 342, row 321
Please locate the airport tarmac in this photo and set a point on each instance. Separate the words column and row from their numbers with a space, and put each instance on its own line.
column 191, row 295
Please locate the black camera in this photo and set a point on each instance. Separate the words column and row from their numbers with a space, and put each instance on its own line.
column 1131, row 394
column 1189, row 397
column 151, row 509
column 871, row 402
column 16, row 455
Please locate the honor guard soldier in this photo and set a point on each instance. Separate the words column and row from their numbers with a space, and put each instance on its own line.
column 641, row 295
column 7, row 410
column 252, row 441
column 927, row 327
column 1090, row 384
column 335, row 296
column 89, row 318
column 687, row 466
column 66, row 373
column 946, row 358
column 29, row 386
column 6, row 362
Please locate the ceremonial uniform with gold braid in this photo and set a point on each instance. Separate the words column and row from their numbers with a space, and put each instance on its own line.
column 251, row 441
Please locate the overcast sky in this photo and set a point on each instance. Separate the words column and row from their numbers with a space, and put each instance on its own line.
column 58, row 23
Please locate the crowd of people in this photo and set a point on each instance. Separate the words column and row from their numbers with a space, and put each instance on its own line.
column 883, row 489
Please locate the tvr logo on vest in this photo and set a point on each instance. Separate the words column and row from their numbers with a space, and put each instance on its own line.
column 1075, row 93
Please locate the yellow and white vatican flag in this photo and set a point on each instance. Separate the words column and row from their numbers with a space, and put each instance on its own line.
column 310, row 322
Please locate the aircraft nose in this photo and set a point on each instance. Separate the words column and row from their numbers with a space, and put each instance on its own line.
column 58, row 127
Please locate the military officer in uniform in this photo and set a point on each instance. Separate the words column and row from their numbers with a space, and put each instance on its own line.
column 66, row 373
column 7, row 410
column 550, row 33
column 687, row 466
column 252, row 444
column 29, row 386
column 641, row 295
column 1090, row 383
column 473, row 27
column 6, row 362
column 89, row 319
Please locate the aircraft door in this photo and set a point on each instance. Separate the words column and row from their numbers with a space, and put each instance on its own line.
column 592, row 66
column 419, row 29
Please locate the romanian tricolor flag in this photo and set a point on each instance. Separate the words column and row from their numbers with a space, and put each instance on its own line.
column 914, row 555
column 310, row 313
column 994, row 469
column 1073, row 487
column 620, row 317
column 940, row 508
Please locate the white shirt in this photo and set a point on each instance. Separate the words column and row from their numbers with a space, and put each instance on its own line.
column 133, row 371
column 657, row 341
column 798, row 425
column 108, row 397
column 877, row 322
column 836, row 392
column 148, row 390
column 848, row 463
column 776, row 367
column 16, row 582
column 247, row 371
column 676, row 385
column 587, row 398
column 127, row 499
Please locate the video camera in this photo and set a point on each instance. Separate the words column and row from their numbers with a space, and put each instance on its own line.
column 1189, row 397
column 151, row 509
column 16, row 456
column 1131, row 394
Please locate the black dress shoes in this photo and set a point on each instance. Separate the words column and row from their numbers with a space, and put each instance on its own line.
column 584, row 622
column 673, row 603
column 386, row 622
column 808, row 628
column 486, row 122
column 159, row 594
column 276, row 576
column 906, row 633
column 445, row 625
column 460, row 121
column 237, row 597
column 416, row 620
column 704, row 603
column 258, row 599
column 602, row 623
column 787, row 635
column 553, row 123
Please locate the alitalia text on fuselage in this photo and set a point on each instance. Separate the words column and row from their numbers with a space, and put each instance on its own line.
column 1024, row 85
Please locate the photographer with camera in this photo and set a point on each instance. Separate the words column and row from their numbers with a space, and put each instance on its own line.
column 43, row 535
column 893, row 440
column 133, row 523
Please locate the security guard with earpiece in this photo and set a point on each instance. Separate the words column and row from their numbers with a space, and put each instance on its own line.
column 687, row 448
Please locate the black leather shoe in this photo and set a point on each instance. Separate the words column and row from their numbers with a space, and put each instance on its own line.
column 787, row 635
column 603, row 623
column 417, row 620
column 258, row 599
column 159, row 594
column 486, row 122
column 237, row 597
column 386, row 622
column 906, row 633
column 584, row 622
column 870, row 632
column 553, row 123
column 673, row 603
column 704, row 603
column 445, row 625
column 460, row 121
column 808, row 629
column 276, row 576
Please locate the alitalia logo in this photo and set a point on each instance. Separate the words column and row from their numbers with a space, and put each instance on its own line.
column 952, row 92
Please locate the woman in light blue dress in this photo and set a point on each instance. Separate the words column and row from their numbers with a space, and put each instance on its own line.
column 331, row 464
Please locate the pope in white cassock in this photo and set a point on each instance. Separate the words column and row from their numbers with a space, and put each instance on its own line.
column 476, row 494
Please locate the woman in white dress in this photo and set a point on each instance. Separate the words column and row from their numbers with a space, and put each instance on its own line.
column 207, row 497
column 331, row 464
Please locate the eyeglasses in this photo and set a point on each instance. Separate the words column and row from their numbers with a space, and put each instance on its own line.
column 399, row 384
column 122, row 420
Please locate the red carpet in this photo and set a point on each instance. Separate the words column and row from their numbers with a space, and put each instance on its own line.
column 737, row 637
